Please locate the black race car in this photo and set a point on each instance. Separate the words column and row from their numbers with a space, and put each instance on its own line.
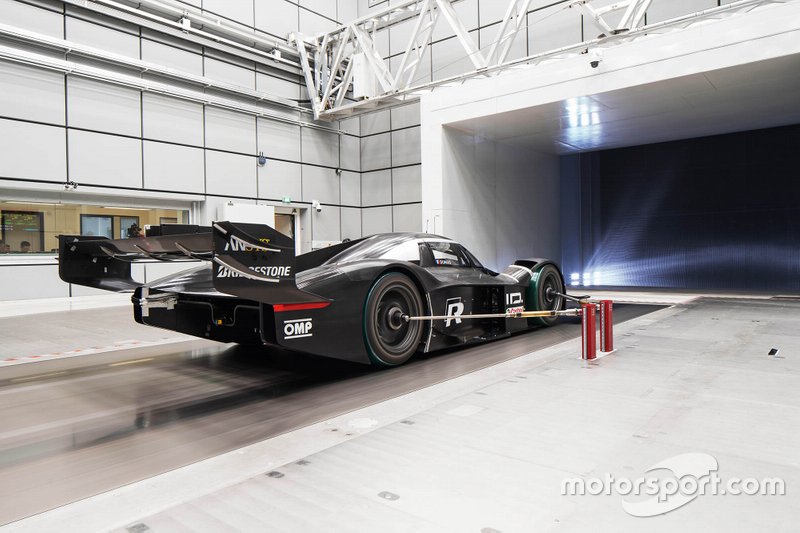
column 349, row 301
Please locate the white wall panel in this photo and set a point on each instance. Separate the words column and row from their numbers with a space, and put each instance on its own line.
column 351, row 223
column 32, row 18
column 172, row 57
column 376, row 220
column 279, row 139
column 491, row 11
column 32, row 281
column 406, row 184
column 375, row 122
column 351, row 125
column 405, row 116
column 99, row 159
column 31, row 93
column 326, row 224
column 230, row 174
column 101, row 106
column 560, row 29
column 320, row 184
column 405, row 147
column 423, row 73
column 277, row 179
column 519, row 48
column 365, row 9
column 350, row 152
column 238, row 10
column 350, row 184
column 101, row 37
column 376, row 152
column 170, row 167
column 229, row 130
column 407, row 217
column 401, row 34
column 320, row 147
column 467, row 11
column 32, row 151
column 660, row 11
column 311, row 23
column 278, row 18
column 325, row 8
column 347, row 11
column 227, row 73
column 275, row 86
column 171, row 119
column 376, row 188
column 449, row 57
column 381, row 39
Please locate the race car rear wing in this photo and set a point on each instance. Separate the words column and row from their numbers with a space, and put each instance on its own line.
column 106, row 263
column 253, row 261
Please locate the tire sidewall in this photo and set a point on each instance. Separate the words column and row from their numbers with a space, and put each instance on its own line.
column 370, row 308
column 536, row 293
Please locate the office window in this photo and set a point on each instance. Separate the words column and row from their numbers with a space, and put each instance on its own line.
column 40, row 223
column 22, row 231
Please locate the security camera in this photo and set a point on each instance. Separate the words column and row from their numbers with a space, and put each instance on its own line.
column 316, row 206
column 595, row 57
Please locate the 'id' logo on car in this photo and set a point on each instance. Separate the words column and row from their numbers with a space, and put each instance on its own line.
column 297, row 329
column 455, row 308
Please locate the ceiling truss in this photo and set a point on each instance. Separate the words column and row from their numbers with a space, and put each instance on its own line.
column 345, row 74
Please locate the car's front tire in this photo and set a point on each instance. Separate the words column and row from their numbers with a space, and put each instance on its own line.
column 390, row 340
column 544, row 294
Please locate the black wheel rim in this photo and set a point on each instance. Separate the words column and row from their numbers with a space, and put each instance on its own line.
column 395, row 335
column 551, row 287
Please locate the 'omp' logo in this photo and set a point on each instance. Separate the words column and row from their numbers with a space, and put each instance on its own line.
column 296, row 329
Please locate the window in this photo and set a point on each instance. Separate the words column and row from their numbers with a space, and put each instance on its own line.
column 449, row 254
column 97, row 225
column 129, row 227
column 40, row 223
column 22, row 231
column 407, row 251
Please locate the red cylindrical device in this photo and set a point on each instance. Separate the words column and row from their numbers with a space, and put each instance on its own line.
column 606, row 326
column 588, row 330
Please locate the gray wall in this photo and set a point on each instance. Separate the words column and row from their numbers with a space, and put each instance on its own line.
column 502, row 201
column 126, row 143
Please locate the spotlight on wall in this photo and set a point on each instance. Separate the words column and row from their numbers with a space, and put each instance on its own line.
column 262, row 159
column 316, row 206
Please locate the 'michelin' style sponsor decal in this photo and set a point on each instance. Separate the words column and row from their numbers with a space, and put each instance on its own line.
column 269, row 271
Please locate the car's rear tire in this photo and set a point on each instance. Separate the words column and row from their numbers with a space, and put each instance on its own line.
column 543, row 294
column 389, row 339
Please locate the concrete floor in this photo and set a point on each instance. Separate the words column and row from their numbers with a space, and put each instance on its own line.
column 489, row 451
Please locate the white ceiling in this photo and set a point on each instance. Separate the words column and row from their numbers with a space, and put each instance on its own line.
column 757, row 95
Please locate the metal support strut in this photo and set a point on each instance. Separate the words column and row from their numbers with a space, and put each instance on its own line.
column 588, row 313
